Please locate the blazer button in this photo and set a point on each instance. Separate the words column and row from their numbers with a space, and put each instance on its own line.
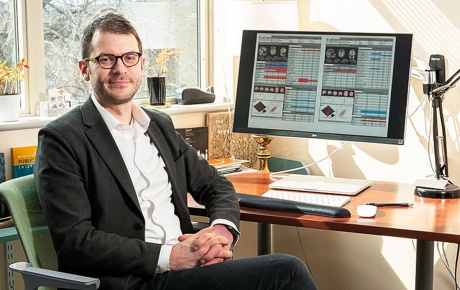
column 137, row 226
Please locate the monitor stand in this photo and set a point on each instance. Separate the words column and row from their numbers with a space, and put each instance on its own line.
column 450, row 191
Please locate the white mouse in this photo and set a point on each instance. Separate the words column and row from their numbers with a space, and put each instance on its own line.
column 366, row 210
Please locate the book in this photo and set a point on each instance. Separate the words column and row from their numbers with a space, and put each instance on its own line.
column 223, row 143
column 23, row 159
column 2, row 168
column 197, row 138
column 4, row 213
column 227, row 165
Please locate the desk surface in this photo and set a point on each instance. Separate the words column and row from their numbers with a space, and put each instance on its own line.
column 428, row 219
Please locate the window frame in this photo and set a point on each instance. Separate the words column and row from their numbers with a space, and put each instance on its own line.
column 31, row 35
column 33, row 50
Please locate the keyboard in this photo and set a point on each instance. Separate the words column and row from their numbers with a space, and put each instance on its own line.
column 269, row 203
column 313, row 198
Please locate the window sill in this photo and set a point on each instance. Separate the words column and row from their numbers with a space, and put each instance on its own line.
column 31, row 122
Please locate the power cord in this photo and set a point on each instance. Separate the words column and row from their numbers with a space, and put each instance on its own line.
column 273, row 174
column 228, row 137
column 303, row 250
column 456, row 268
column 445, row 260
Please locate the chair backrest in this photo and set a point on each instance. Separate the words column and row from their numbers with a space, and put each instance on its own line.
column 276, row 164
column 22, row 199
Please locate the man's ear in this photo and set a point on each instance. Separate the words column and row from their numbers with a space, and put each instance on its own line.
column 84, row 69
column 142, row 63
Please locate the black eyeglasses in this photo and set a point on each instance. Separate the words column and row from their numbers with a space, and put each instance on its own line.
column 109, row 61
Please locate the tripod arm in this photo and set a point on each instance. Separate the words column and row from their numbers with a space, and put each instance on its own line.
column 447, row 85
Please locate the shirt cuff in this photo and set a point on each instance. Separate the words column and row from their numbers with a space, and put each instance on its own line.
column 163, row 259
column 228, row 223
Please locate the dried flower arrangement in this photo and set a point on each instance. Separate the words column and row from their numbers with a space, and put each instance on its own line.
column 9, row 75
column 162, row 58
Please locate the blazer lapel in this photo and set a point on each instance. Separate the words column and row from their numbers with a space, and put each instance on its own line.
column 157, row 138
column 179, row 202
column 103, row 142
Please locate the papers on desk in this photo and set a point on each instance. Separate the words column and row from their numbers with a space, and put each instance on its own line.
column 227, row 165
column 431, row 183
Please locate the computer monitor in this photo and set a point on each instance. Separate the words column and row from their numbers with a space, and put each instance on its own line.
column 324, row 85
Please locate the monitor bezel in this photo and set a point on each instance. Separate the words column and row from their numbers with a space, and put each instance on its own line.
column 400, row 83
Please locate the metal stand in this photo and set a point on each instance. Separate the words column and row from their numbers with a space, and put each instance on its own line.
column 424, row 262
column 8, row 252
column 264, row 239
column 440, row 144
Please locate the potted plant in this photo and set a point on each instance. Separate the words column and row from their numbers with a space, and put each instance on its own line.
column 9, row 93
column 157, row 84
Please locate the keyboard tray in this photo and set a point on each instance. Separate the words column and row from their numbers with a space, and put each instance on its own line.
column 268, row 203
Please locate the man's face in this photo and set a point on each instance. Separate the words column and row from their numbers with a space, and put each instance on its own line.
column 118, row 84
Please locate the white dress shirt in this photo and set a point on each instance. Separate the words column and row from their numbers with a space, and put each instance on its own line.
column 150, row 179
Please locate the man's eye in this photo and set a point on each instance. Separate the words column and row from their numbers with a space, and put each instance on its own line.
column 105, row 59
column 131, row 57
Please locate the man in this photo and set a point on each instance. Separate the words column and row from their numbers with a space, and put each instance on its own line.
column 113, row 180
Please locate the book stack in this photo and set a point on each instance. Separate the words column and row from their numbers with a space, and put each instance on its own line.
column 4, row 213
column 227, row 165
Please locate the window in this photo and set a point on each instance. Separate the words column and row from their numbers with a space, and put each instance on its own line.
column 52, row 42
column 161, row 24
column 8, row 32
column 10, row 44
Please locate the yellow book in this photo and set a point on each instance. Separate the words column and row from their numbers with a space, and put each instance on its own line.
column 23, row 159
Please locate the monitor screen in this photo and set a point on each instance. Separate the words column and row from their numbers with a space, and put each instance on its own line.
column 325, row 85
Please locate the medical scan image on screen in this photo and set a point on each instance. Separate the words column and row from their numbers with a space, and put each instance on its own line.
column 336, row 84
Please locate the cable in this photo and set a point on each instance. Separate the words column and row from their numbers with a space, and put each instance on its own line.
column 301, row 245
column 444, row 259
column 303, row 249
column 272, row 175
column 228, row 137
column 456, row 268
column 422, row 103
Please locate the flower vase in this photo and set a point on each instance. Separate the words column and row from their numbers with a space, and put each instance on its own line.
column 9, row 107
column 157, row 90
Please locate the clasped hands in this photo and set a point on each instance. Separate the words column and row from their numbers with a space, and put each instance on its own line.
column 209, row 246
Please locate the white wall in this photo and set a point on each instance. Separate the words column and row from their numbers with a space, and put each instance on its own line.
column 352, row 261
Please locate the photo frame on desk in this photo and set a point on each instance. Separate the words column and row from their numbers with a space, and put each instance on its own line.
column 223, row 142
column 197, row 137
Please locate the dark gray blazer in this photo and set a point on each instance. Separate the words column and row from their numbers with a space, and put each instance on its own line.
column 90, row 203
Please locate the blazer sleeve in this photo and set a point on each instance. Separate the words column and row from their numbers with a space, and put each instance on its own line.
column 191, row 173
column 96, row 228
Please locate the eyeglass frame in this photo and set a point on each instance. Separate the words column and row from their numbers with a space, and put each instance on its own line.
column 96, row 58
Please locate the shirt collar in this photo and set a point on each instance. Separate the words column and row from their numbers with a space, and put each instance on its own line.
column 138, row 114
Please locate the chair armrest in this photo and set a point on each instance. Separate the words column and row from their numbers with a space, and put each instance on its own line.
column 34, row 277
column 198, row 226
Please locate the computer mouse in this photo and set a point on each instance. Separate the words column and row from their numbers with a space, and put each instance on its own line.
column 366, row 210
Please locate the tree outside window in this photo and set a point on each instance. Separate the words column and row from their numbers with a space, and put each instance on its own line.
column 161, row 24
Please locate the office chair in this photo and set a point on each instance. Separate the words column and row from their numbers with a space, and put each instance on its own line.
column 276, row 164
column 21, row 197
column 41, row 270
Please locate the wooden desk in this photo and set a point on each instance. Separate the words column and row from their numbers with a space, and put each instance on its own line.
column 427, row 221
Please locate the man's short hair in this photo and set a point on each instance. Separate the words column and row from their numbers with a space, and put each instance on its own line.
column 112, row 23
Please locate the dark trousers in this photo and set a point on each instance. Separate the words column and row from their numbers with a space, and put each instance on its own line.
column 277, row 271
